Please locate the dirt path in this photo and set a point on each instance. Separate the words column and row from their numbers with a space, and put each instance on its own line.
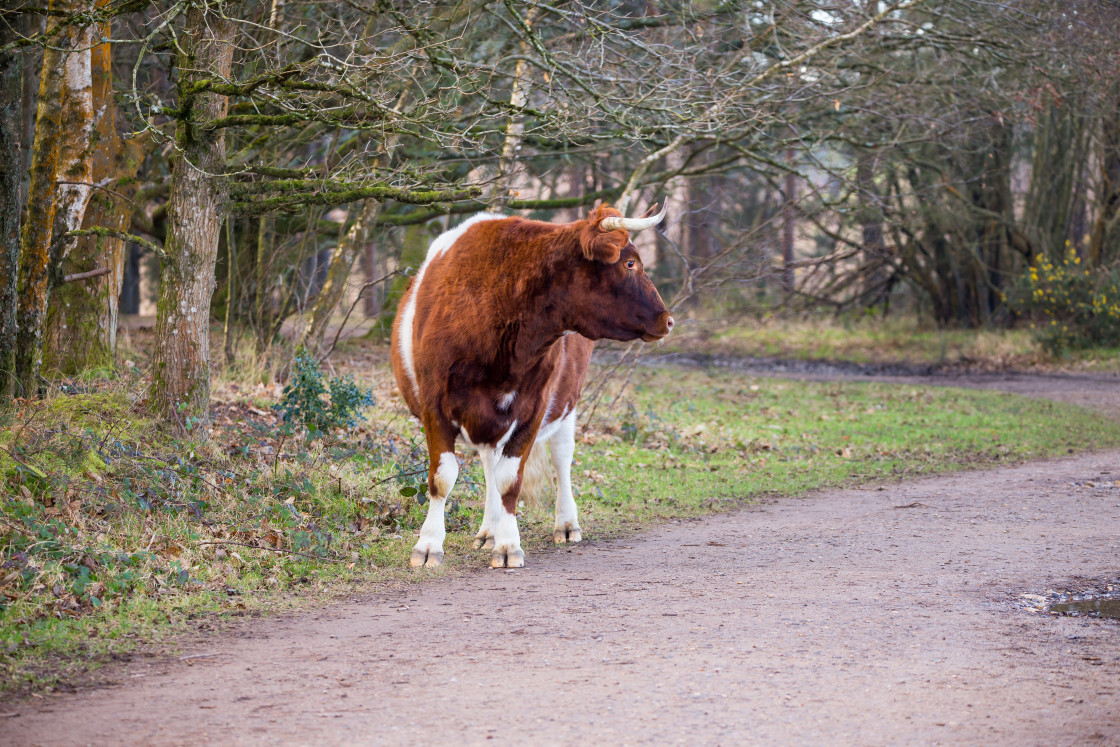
column 874, row 616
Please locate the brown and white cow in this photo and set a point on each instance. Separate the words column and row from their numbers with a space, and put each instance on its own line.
column 492, row 342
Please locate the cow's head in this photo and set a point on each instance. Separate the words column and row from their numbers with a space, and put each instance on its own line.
column 614, row 298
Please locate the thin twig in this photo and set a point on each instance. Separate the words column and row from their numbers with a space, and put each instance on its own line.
column 399, row 475
column 354, row 305
column 85, row 275
column 277, row 549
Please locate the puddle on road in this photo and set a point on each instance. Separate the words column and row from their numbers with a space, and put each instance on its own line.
column 1104, row 606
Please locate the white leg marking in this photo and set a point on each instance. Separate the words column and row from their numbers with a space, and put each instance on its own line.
column 446, row 473
column 507, row 543
column 493, row 506
column 562, row 444
column 499, row 528
column 490, row 457
column 429, row 548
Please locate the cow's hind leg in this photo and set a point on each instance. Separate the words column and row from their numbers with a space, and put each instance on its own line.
column 492, row 509
column 443, row 469
column 562, row 444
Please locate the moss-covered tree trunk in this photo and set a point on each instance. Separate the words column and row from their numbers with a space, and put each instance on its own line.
column 181, row 364
column 11, row 124
column 35, row 234
column 417, row 237
column 264, row 317
column 82, row 317
column 338, row 275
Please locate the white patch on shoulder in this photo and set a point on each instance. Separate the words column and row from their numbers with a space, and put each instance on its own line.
column 442, row 243
column 506, row 400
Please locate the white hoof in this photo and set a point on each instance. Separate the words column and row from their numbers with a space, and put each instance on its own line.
column 484, row 540
column 508, row 559
column 429, row 557
column 563, row 535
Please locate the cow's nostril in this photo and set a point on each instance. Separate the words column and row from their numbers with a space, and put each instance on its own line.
column 669, row 323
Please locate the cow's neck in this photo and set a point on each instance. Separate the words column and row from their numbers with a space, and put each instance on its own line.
column 539, row 322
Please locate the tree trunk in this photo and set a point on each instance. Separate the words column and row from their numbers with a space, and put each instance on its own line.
column 417, row 237
column 506, row 181
column 35, row 236
column 789, row 224
column 181, row 365
column 371, row 300
column 11, row 159
column 1104, row 244
column 265, row 304
column 875, row 289
column 82, row 317
column 338, row 274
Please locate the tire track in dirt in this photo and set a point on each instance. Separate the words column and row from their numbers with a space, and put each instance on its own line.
column 874, row 616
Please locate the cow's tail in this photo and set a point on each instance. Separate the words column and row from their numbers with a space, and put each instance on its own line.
column 538, row 479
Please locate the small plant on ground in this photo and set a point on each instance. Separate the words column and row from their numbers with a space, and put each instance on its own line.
column 319, row 405
column 1073, row 307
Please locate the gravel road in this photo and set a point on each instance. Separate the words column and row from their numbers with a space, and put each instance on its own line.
column 884, row 615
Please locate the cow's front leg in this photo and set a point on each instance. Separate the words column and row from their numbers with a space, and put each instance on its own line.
column 503, row 486
column 562, row 444
column 443, row 469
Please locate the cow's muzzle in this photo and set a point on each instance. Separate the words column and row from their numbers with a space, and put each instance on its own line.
column 661, row 329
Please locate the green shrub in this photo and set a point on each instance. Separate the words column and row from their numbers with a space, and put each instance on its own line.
column 1073, row 307
column 319, row 405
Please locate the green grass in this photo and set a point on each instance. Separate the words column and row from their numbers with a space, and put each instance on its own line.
column 114, row 534
column 688, row 442
column 878, row 341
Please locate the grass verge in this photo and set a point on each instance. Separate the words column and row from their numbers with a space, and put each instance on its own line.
column 114, row 534
column 875, row 341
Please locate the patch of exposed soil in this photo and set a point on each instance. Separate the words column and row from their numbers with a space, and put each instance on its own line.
column 872, row 616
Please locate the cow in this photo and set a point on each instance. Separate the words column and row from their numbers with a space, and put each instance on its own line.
column 491, row 343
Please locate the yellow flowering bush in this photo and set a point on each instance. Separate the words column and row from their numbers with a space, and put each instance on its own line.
column 1071, row 305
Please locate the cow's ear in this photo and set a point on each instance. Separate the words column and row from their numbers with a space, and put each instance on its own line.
column 599, row 245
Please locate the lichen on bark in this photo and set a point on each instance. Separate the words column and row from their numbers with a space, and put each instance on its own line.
column 181, row 365
column 82, row 317
column 11, row 89
column 36, row 232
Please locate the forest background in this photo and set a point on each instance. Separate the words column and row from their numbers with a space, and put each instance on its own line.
column 955, row 159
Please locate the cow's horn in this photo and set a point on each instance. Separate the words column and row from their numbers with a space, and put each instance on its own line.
column 634, row 224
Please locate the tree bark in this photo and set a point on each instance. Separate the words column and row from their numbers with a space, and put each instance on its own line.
column 1104, row 244
column 181, row 365
column 36, row 232
column 338, row 273
column 789, row 225
column 82, row 317
column 265, row 304
column 875, row 289
column 11, row 160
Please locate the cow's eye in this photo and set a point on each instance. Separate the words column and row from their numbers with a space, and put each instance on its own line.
column 630, row 264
